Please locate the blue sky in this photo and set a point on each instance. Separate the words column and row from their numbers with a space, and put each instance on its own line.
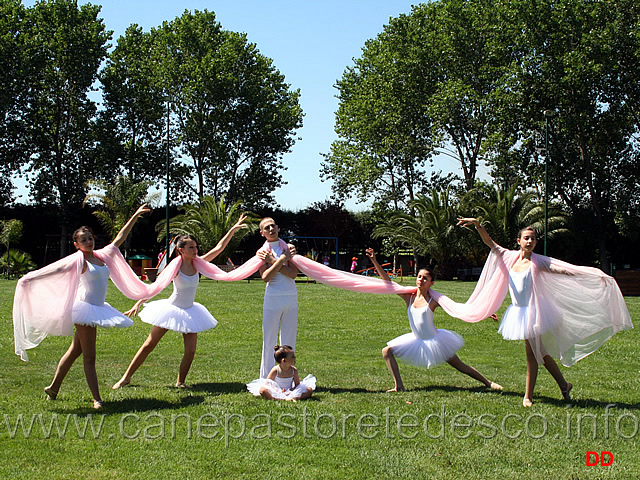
column 310, row 42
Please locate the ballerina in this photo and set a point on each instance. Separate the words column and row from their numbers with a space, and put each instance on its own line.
column 74, row 291
column 425, row 345
column 557, row 308
column 179, row 313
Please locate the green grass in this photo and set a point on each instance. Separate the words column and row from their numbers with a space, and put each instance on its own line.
column 348, row 429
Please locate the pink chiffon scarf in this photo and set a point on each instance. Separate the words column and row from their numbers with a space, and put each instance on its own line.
column 44, row 298
column 584, row 305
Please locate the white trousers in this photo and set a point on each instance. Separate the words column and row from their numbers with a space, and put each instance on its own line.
column 278, row 312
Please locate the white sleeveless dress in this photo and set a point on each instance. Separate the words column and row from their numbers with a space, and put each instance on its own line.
column 282, row 387
column 180, row 312
column 90, row 308
column 515, row 321
column 426, row 345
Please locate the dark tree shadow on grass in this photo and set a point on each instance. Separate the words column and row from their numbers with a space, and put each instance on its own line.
column 219, row 388
column 132, row 405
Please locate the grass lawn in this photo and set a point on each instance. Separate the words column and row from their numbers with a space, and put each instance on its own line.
column 446, row 426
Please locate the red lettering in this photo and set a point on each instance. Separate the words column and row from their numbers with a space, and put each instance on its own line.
column 589, row 455
column 602, row 461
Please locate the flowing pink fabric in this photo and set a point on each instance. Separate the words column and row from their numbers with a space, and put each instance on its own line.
column 584, row 304
column 44, row 298
column 346, row 280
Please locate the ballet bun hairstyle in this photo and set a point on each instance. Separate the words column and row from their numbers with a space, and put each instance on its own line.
column 281, row 352
column 181, row 241
column 80, row 231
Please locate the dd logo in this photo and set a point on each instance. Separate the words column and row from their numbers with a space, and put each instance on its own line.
column 603, row 458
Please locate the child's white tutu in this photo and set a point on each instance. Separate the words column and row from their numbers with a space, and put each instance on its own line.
column 308, row 382
column 164, row 314
column 104, row 315
column 426, row 352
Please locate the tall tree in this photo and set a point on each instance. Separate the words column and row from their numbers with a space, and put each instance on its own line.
column 235, row 115
column 432, row 82
column 571, row 64
column 14, row 72
column 66, row 44
column 132, row 125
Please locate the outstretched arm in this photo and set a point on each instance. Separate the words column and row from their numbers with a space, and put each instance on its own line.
column 465, row 222
column 224, row 241
column 381, row 271
column 124, row 233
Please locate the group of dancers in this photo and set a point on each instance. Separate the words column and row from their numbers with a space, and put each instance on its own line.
column 560, row 310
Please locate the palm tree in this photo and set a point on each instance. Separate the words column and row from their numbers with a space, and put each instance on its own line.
column 430, row 230
column 208, row 221
column 16, row 262
column 505, row 212
column 10, row 232
column 118, row 201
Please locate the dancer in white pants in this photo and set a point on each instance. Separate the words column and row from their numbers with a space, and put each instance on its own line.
column 280, row 308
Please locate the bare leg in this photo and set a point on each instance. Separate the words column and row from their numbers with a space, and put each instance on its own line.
column 305, row 394
column 532, row 375
column 266, row 393
column 462, row 367
column 190, row 342
column 87, row 337
column 147, row 347
column 552, row 367
column 64, row 365
column 392, row 365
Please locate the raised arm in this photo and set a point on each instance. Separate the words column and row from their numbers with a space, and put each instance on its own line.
column 124, row 233
column 381, row 271
column 465, row 222
column 224, row 241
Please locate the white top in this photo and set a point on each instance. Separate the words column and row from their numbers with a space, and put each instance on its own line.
column 280, row 284
column 520, row 287
column 421, row 321
column 184, row 290
column 93, row 284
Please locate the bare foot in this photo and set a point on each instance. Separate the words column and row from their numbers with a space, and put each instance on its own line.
column 495, row 386
column 121, row 383
column 566, row 394
column 527, row 402
column 51, row 393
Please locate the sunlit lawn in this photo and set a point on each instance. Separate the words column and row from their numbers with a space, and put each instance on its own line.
column 446, row 426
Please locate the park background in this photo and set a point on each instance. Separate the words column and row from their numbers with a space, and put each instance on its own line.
column 515, row 112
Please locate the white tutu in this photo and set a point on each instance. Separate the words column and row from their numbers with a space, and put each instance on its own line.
column 426, row 352
column 164, row 314
column 104, row 315
column 515, row 321
column 308, row 382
